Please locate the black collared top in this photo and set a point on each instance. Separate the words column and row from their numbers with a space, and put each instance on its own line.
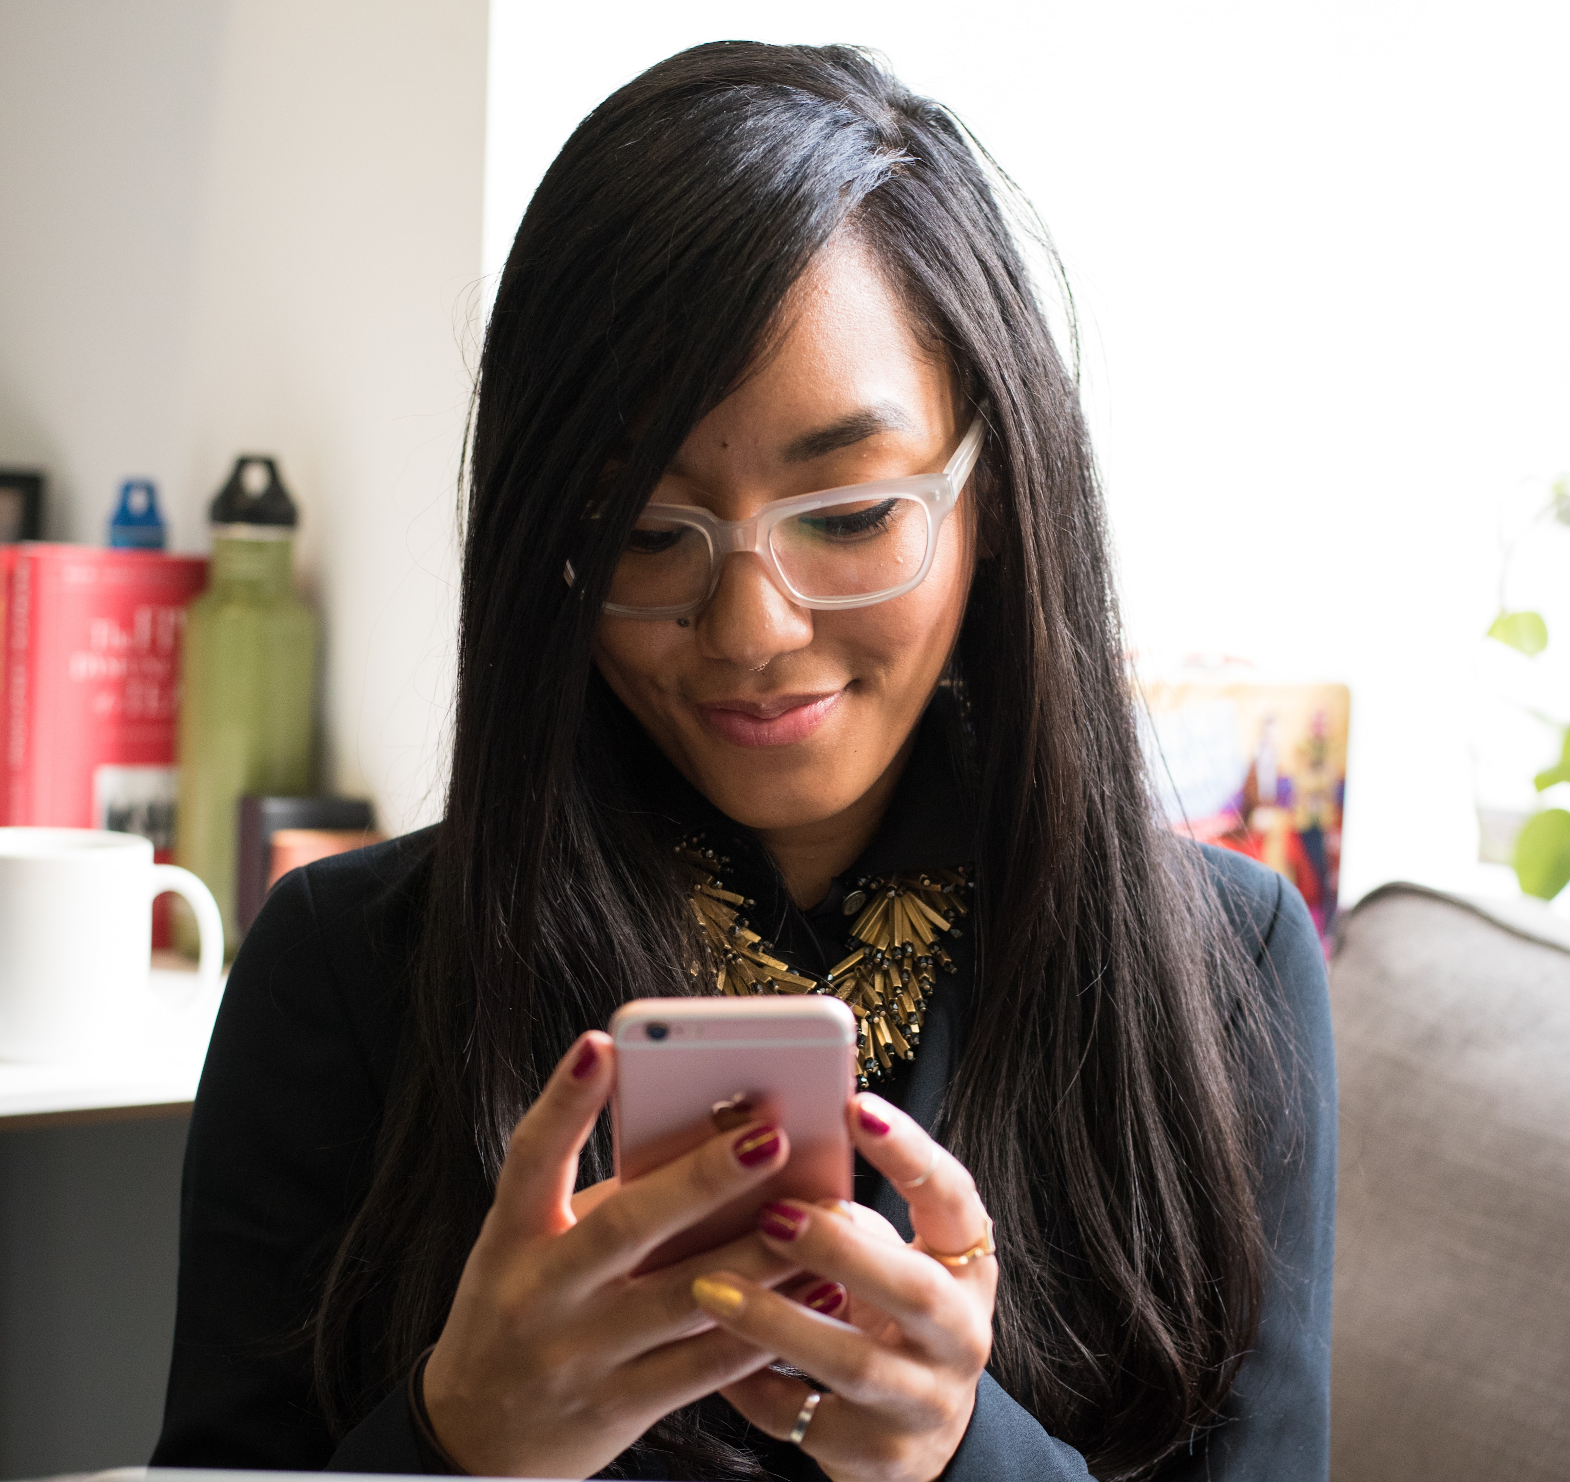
column 301, row 1066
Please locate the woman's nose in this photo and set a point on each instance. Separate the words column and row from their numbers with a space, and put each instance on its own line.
column 749, row 620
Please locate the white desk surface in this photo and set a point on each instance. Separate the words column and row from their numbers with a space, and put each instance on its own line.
column 150, row 1072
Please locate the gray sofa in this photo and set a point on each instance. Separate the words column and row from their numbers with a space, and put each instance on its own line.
column 1451, row 1351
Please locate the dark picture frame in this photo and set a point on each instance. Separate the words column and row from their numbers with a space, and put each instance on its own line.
column 21, row 505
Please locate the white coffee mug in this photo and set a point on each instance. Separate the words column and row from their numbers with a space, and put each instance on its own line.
column 76, row 938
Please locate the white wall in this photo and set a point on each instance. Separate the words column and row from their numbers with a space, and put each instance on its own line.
column 1317, row 251
column 1319, row 254
column 228, row 225
column 254, row 225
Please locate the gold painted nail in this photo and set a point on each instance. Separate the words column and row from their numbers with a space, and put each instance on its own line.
column 718, row 1296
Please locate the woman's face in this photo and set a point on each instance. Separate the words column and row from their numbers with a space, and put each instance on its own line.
column 783, row 716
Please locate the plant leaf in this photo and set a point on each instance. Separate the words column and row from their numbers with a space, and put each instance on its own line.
column 1558, row 773
column 1524, row 631
column 1561, row 505
column 1542, row 854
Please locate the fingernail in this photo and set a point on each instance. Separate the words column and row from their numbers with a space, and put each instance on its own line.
column 871, row 1121
column 781, row 1221
column 757, row 1146
column 717, row 1296
column 588, row 1058
column 825, row 1298
column 729, row 1115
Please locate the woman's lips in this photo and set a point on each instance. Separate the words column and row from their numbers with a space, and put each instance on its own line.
column 777, row 721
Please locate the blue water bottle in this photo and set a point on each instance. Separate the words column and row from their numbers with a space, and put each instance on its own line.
column 136, row 523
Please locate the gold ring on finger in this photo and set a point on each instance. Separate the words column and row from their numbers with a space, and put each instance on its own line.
column 798, row 1432
column 986, row 1246
column 924, row 1175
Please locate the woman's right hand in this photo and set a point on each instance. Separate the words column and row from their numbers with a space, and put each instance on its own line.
column 555, row 1357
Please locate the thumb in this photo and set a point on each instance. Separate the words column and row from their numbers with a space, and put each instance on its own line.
column 534, row 1189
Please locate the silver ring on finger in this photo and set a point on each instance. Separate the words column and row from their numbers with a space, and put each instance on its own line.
column 925, row 1174
column 798, row 1432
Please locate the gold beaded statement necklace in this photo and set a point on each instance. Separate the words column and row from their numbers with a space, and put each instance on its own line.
column 895, row 951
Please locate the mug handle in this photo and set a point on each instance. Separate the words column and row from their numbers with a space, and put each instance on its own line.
column 209, row 924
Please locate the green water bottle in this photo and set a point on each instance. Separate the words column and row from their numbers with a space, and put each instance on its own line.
column 248, row 679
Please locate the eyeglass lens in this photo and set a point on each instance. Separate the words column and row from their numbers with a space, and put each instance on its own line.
column 856, row 549
column 664, row 564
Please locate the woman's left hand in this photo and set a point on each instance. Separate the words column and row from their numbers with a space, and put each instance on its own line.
column 903, row 1369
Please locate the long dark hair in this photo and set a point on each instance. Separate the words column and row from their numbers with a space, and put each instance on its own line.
column 1102, row 1099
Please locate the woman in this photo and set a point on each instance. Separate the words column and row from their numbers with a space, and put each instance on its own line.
column 753, row 274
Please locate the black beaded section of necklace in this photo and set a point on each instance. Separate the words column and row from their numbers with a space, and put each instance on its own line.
column 895, row 949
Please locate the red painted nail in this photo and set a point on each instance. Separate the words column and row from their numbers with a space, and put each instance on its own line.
column 757, row 1146
column 825, row 1298
column 588, row 1058
column 871, row 1122
column 781, row 1221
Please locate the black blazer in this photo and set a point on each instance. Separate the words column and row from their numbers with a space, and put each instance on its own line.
column 286, row 1120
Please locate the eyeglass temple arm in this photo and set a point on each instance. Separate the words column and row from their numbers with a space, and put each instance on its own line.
column 965, row 455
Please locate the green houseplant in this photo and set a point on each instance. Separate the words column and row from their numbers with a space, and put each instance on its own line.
column 1542, row 847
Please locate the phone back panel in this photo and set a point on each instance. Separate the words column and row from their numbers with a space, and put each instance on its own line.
column 793, row 1059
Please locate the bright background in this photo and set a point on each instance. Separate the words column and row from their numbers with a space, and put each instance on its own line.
column 254, row 226
column 1321, row 260
column 1318, row 253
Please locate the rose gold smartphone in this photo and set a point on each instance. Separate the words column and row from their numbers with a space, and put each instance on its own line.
column 687, row 1068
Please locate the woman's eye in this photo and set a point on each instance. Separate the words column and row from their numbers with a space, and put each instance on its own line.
column 855, row 525
column 652, row 542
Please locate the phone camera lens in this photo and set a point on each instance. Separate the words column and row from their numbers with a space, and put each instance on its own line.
column 657, row 1031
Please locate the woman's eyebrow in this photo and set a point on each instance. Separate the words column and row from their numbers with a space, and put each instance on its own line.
column 885, row 417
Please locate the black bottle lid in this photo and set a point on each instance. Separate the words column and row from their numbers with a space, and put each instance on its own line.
column 254, row 495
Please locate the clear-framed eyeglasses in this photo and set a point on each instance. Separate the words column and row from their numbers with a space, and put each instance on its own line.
column 846, row 547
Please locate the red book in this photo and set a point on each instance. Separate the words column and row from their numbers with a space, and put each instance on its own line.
column 7, row 570
column 92, row 670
